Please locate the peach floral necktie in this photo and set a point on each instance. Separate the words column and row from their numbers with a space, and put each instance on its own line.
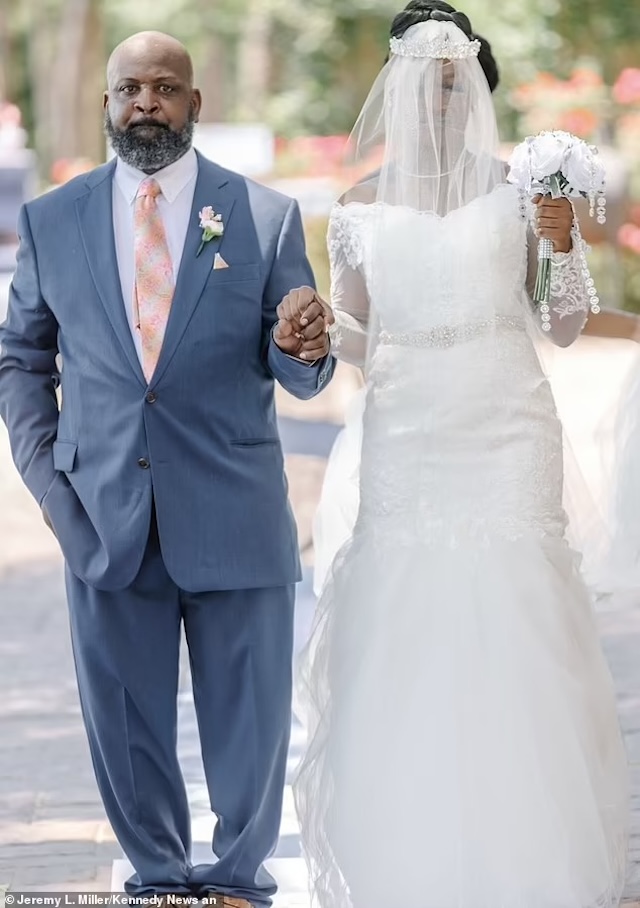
column 154, row 285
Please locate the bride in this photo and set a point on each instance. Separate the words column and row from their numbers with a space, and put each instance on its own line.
column 464, row 749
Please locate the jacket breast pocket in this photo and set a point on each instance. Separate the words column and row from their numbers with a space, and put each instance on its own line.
column 64, row 455
column 234, row 274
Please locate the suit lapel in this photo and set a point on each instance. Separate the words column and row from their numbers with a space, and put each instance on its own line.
column 95, row 216
column 212, row 188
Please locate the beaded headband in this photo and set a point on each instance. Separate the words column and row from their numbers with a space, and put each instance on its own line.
column 441, row 48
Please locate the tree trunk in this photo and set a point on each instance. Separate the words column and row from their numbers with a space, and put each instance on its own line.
column 91, row 141
column 77, row 81
column 254, row 63
column 12, row 86
column 39, row 60
column 212, row 80
column 5, row 50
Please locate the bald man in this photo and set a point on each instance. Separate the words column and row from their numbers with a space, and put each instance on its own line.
column 166, row 296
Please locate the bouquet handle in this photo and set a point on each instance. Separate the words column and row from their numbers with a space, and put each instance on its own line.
column 542, row 290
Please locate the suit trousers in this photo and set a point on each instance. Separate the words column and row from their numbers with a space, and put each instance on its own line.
column 126, row 647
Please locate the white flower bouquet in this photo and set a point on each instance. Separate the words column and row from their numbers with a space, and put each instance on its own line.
column 558, row 164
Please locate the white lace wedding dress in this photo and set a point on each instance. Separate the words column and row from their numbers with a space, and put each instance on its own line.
column 464, row 749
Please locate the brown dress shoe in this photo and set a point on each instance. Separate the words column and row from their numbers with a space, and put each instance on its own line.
column 229, row 902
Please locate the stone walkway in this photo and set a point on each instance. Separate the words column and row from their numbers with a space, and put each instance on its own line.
column 53, row 832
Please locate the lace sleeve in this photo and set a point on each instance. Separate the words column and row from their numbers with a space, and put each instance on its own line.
column 349, row 297
column 570, row 293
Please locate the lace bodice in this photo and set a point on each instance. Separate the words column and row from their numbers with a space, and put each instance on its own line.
column 420, row 272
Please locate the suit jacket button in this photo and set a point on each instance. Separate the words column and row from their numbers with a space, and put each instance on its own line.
column 151, row 398
column 143, row 463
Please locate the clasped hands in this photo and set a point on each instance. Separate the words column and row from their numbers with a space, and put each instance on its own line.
column 304, row 320
column 554, row 220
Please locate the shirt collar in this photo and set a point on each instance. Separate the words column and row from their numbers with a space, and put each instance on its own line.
column 172, row 179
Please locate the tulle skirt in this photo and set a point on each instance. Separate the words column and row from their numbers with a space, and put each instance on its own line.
column 464, row 747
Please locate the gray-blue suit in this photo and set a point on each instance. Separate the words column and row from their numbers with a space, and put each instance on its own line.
column 169, row 501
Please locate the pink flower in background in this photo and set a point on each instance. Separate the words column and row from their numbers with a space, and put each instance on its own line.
column 629, row 237
column 9, row 114
column 580, row 121
column 584, row 77
column 575, row 105
column 627, row 87
column 65, row 169
column 630, row 124
column 317, row 156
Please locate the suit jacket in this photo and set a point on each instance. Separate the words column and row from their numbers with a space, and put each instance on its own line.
column 200, row 440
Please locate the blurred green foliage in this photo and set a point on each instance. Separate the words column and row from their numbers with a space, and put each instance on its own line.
column 304, row 67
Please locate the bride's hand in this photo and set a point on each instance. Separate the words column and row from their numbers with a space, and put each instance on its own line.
column 304, row 320
column 554, row 220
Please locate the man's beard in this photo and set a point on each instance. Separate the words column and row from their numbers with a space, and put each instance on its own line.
column 149, row 149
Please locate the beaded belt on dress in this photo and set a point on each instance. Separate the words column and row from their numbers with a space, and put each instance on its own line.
column 448, row 335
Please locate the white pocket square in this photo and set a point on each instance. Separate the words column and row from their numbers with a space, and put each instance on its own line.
column 219, row 262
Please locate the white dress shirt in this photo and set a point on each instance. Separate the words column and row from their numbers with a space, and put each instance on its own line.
column 177, row 182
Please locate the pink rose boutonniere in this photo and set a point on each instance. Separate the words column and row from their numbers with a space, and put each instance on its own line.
column 211, row 224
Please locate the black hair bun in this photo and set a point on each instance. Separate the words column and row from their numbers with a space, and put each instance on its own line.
column 418, row 11
column 488, row 63
column 428, row 6
column 441, row 15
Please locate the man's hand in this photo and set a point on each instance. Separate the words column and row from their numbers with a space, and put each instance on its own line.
column 554, row 219
column 303, row 321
